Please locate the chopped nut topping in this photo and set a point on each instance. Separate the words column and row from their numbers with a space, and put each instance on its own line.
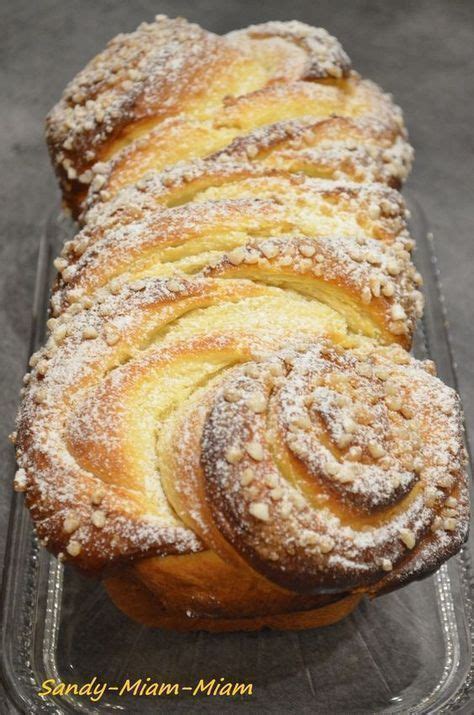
column 391, row 388
column 300, row 422
column 276, row 369
column 271, row 479
column 74, row 548
column 431, row 496
column 299, row 500
column 111, row 336
column 397, row 312
column 255, row 450
column 376, row 450
column 408, row 538
column 234, row 454
column 375, row 286
column 251, row 256
column 269, row 249
column 354, row 453
column 374, row 212
column 60, row 333
column 366, row 295
column 364, row 416
column 393, row 403
column 364, row 369
column 306, row 249
column 445, row 482
column 251, row 151
column 388, row 289
column 251, row 370
column 231, row 394
column 248, row 475
column 348, row 424
column 259, row 510
column 326, row 544
column 236, row 257
column 20, row 481
column 346, row 474
column 68, row 274
column 74, row 309
column 98, row 496
column 174, row 286
column 114, row 286
column 257, row 402
column 42, row 367
column 98, row 518
column 450, row 524
column 333, row 467
column 89, row 333
column 39, row 396
column 344, row 440
column 407, row 411
column 71, row 523
column 393, row 268
column 355, row 255
column 60, row 264
column 417, row 465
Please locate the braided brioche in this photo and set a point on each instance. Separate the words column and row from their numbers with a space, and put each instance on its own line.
column 224, row 422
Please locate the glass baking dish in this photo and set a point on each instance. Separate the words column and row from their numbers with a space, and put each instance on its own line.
column 407, row 652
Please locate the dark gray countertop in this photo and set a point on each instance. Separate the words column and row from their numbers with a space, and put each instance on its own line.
column 420, row 50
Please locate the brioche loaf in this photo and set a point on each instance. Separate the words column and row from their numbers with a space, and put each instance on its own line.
column 225, row 423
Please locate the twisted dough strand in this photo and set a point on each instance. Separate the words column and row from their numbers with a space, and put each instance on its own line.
column 224, row 421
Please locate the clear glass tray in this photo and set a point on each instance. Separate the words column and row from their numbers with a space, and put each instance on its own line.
column 407, row 652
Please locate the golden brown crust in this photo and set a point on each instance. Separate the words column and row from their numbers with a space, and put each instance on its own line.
column 223, row 421
column 371, row 146
column 308, row 232
column 349, row 276
column 316, row 53
column 131, row 596
column 111, row 393
column 171, row 91
column 143, row 605
column 146, row 76
column 78, row 354
column 188, row 182
column 360, row 438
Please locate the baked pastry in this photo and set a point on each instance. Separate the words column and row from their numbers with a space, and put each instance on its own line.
column 225, row 423
column 171, row 91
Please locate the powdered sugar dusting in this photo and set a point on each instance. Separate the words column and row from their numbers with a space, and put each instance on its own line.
column 345, row 481
column 225, row 366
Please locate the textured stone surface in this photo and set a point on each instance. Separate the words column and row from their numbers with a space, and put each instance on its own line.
column 420, row 51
